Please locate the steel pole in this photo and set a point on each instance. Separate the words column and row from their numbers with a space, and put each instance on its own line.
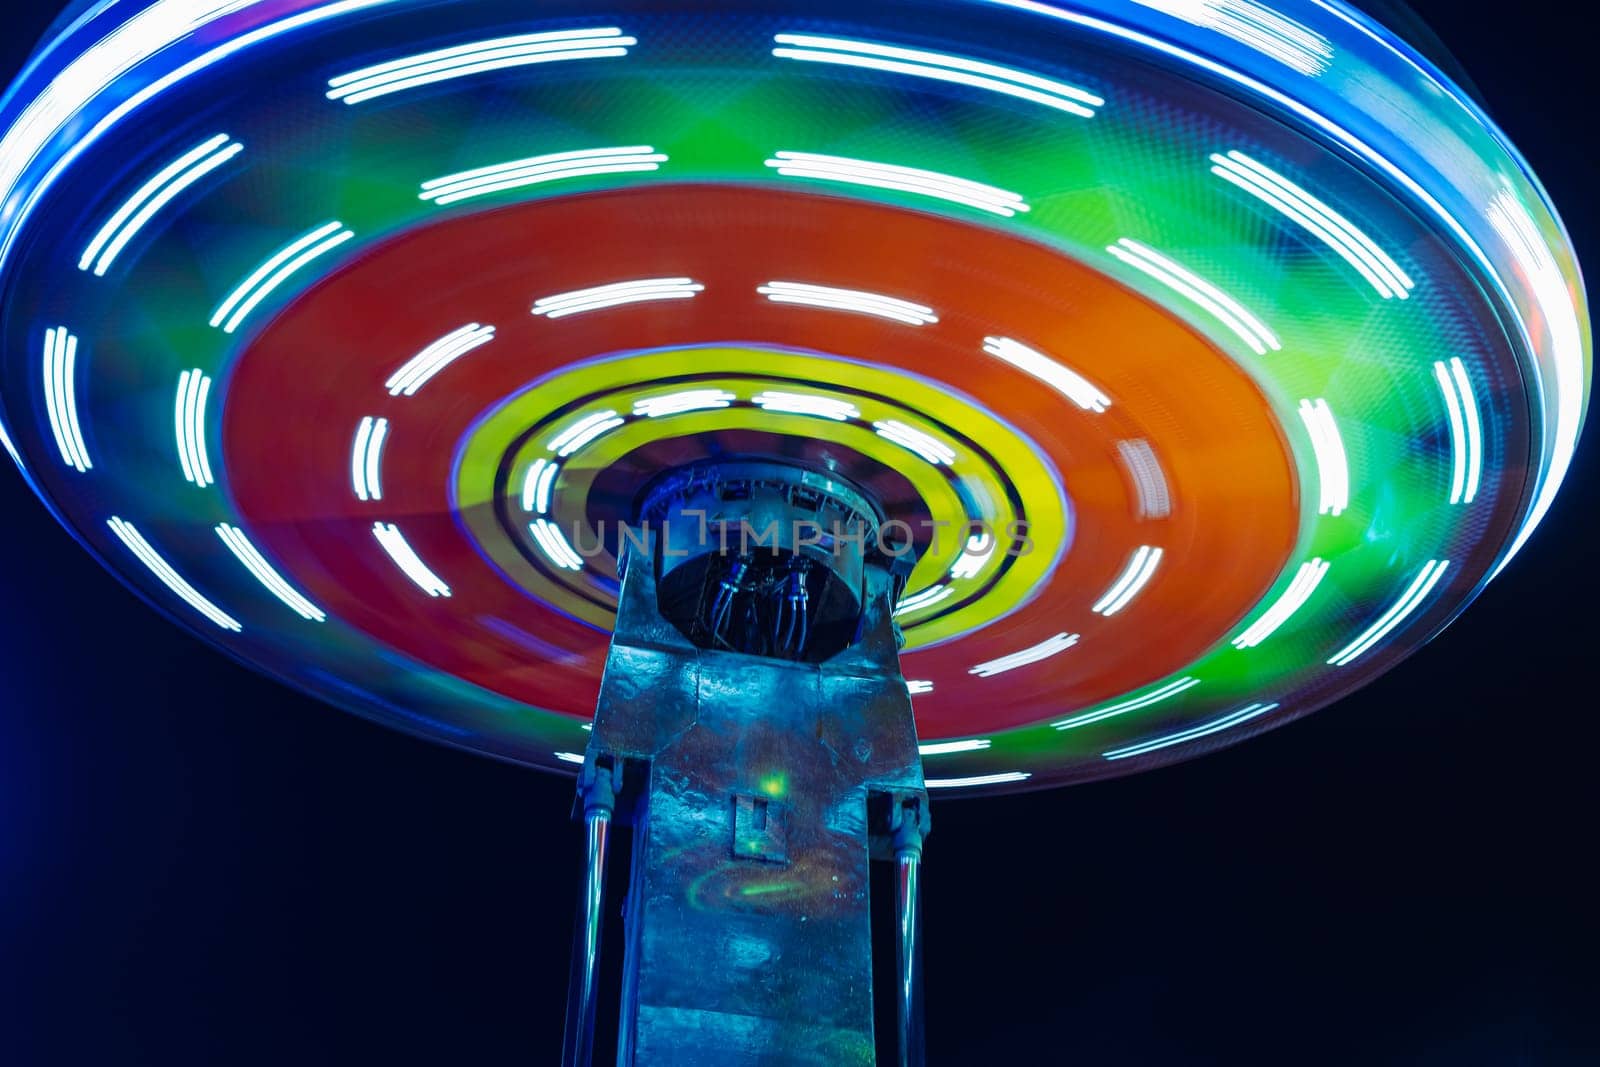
column 599, row 802
column 908, row 930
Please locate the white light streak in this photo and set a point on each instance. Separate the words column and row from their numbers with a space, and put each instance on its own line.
column 536, row 170
column 1305, row 582
column 160, row 24
column 929, row 448
column 5, row 439
column 1538, row 265
column 1535, row 257
column 406, row 558
column 644, row 290
column 657, row 407
column 930, row 596
column 1227, row 722
column 1327, row 225
column 1333, row 467
column 422, row 368
column 1149, row 480
column 264, row 573
column 947, row 748
column 1141, row 567
column 1155, row 696
column 1469, row 407
column 61, row 397
column 852, row 300
column 555, row 545
column 189, row 422
column 232, row 312
column 1251, row 330
column 988, row 198
column 101, row 64
column 982, row 779
column 1068, row 383
column 366, row 458
column 132, row 217
column 1409, row 601
column 146, row 554
column 1255, row 26
column 821, row 407
column 584, row 431
column 536, row 485
column 1466, row 429
column 941, row 67
column 979, row 551
column 479, row 57
column 917, row 688
column 573, row 757
column 1042, row 651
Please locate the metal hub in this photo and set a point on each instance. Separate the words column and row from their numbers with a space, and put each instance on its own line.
column 764, row 558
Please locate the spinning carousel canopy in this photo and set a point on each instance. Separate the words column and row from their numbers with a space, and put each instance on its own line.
column 1213, row 354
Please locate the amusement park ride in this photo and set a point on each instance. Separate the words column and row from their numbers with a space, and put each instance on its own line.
column 780, row 413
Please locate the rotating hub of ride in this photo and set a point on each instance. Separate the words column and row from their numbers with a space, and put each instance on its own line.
column 766, row 559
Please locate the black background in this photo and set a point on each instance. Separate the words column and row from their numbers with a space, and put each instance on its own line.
column 200, row 867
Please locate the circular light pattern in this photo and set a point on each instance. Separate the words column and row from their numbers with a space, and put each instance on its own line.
column 1215, row 354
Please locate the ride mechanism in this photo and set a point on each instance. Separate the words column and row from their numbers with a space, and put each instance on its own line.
column 830, row 404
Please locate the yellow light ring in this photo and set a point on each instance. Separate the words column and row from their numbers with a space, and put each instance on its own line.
column 492, row 462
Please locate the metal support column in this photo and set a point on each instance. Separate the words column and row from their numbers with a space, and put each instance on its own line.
column 597, row 793
column 769, row 759
column 908, row 932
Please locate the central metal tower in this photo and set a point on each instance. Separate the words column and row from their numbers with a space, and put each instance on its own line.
column 754, row 729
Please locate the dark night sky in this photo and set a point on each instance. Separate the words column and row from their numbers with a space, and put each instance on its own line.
column 198, row 866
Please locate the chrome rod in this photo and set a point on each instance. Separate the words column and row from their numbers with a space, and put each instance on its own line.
column 599, row 800
column 908, row 930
